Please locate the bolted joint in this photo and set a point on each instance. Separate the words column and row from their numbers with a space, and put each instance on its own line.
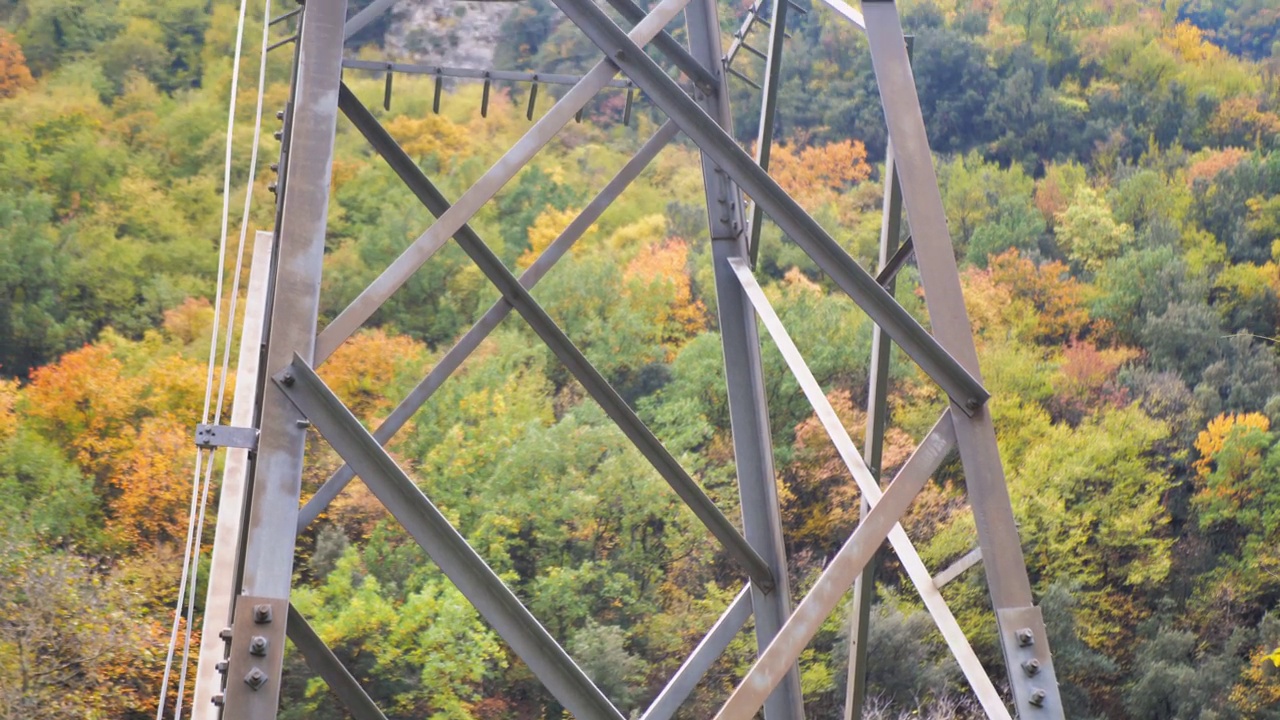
column 262, row 613
column 1031, row 667
column 1037, row 697
column 1026, row 637
column 258, row 646
column 256, row 678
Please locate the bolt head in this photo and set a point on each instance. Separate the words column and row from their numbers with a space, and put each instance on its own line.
column 278, row 135
column 279, row 114
column 288, row 379
column 1038, row 697
column 218, row 700
column 225, row 633
column 1026, row 637
column 262, row 613
column 258, row 646
column 1031, row 667
column 256, row 678
column 221, row 667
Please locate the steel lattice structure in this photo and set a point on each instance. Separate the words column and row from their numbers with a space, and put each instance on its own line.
column 283, row 396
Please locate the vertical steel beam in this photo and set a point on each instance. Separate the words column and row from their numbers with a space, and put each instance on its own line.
column 768, row 112
column 984, row 475
column 267, row 568
column 873, row 447
column 231, row 498
column 744, row 375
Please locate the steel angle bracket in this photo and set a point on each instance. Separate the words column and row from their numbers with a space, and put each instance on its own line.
column 216, row 436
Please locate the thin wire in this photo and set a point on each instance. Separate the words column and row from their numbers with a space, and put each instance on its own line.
column 226, row 344
column 213, row 345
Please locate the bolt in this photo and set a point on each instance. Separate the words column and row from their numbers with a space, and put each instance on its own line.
column 225, row 633
column 219, row 700
column 278, row 135
column 972, row 404
column 258, row 646
column 304, row 424
column 262, row 611
column 288, row 379
column 1037, row 697
column 1031, row 667
column 279, row 114
column 1026, row 637
column 272, row 188
column 275, row 167
column 619, row 55
column 256, row 678
column 221, row 667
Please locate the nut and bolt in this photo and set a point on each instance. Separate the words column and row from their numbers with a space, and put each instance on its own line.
column 225, row 633
column 256, row 678
column 278, row 135
column 279, row 114
column 262, row 611
column 288, row 379
column 219, row 700
column 1026, row 637
column 1037, row 697
column 221, row 667
column 258, row 646
column 272, row 187
column 304, row 424
column 1031, row 667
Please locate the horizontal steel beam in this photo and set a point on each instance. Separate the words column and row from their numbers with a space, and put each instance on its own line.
column 471, row 73
column 456, row 355
column 838, row 576
column 442, row 542
column 695, row 667
column 955, row 380
column 324, row 663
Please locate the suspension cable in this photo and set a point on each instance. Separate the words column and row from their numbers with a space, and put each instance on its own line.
column 201, row 456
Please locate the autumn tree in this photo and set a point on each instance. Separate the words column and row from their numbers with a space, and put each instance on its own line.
column 14, row 75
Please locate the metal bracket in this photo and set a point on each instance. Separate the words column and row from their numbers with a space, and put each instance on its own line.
column 1026, row 652
column 216, row 436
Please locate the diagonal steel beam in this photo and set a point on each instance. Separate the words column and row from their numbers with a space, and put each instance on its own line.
column 907, row 555
column 366, row 17
column 1006, row 570
column 592, row 381
column 454, row 358
column 453, row 219
column 442, row 542
column 669, row 47
column 324, row 663
column 838, row 576
column 958, row 383
column 713, row 645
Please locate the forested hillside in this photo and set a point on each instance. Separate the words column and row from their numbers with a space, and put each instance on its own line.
column 1111, row 175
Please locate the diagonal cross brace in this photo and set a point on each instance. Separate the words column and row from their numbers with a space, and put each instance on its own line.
column 453, row 359
column 453, row 220
column 838, row 576
column 586, row 373
column 664, row 92
column 915, row 568
column 668, row 45
column 444, row 544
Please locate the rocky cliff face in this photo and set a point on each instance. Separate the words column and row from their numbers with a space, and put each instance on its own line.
column 455, row 33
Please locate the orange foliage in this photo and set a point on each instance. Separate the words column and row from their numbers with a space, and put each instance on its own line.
column 1056, row 295
column 153, row 485
column 1216, row 162
column 666, row 264
column 1086, row 380
column 1213, row 438
column 815, row 174
column 821, row 500
column 14, row 75
column 86, row 404
column 363, row 368
column 8, row 399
